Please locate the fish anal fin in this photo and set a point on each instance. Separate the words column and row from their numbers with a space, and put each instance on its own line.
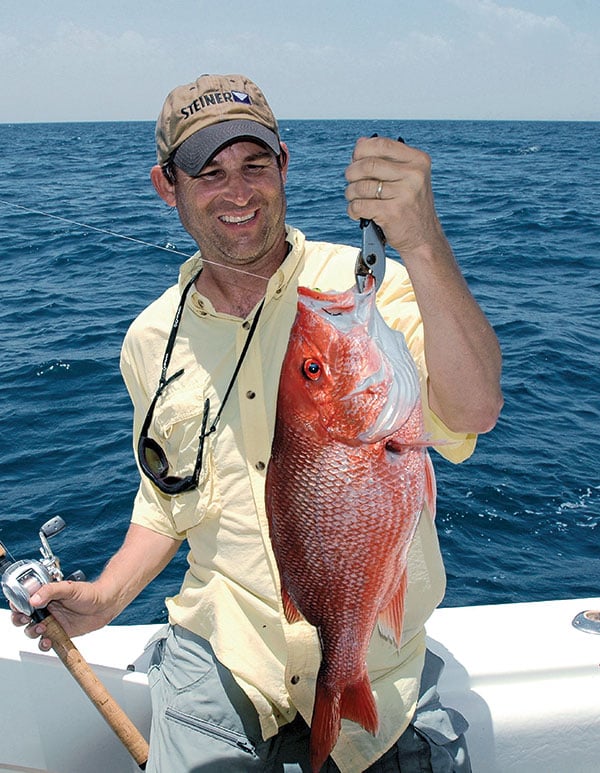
column 390, row 619
column 292, row 615
column 358, row 704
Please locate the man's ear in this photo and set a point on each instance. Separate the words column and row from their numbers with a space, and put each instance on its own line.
column 284, row 160
column 164, row 188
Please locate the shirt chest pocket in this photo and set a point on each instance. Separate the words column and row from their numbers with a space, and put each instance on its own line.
column 177, row 427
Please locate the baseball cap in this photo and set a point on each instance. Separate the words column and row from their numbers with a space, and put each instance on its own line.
column 200, row 118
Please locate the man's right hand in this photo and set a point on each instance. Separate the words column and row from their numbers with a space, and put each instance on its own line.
column 75, row 605
column 81, row 607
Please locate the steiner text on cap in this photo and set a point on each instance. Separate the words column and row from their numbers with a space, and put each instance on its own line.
column 215, row 98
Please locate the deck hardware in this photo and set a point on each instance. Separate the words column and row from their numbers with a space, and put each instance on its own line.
column 588, row 621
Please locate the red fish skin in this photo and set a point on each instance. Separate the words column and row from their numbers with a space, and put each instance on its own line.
column 342, row 512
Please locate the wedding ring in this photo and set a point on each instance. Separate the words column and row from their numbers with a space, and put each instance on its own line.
column 379, row 189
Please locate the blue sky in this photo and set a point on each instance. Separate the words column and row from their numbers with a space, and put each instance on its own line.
column 69, row 60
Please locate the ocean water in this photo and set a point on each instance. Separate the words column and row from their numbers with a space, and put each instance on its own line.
column 520, row 203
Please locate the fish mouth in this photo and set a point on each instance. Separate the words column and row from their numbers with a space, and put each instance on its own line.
column 341, row 306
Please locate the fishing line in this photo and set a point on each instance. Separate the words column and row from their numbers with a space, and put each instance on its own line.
column 172, row 250
column 6, row 554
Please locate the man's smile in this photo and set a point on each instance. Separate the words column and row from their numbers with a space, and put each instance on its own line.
column 238, row 218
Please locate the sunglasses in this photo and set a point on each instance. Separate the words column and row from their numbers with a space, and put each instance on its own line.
column 152, row 458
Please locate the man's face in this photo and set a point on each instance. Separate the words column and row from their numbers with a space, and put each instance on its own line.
column 235, row 208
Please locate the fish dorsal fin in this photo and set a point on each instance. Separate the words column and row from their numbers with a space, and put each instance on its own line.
column 390, row 619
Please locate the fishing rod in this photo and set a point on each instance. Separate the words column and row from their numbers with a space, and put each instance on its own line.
column 20, row 580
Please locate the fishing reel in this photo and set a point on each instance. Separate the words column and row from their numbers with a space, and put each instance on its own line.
column 21, row 579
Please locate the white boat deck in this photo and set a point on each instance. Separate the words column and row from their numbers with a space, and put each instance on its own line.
column 525, row 678
column 527, row 681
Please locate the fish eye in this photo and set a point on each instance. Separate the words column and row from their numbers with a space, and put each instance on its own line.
column 312, row 369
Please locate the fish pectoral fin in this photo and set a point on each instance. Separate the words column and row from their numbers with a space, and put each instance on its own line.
column 292, row 615
column 358, row 705
column 399, row 444
column 391, row 618
column 395, row 446
column 430, row 487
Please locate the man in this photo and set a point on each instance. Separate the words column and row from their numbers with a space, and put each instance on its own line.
column 232, row 681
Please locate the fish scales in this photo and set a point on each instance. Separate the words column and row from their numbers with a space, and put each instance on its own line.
column 346, row 483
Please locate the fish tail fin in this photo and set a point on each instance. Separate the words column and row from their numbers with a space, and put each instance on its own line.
column 391, row 618
column 358, row 704
column 430, row 487
column 325, row 725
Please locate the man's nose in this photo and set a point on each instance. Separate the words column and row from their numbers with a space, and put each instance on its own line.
column 238, row 190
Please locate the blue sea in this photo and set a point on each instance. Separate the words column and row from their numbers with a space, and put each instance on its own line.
column 520, row 203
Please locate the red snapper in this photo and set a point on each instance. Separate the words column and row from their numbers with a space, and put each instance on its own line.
column 347, row 479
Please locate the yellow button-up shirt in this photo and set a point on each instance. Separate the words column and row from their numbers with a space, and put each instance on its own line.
column 231, row 592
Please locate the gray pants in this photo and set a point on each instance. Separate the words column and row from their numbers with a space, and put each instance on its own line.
column 203, row 722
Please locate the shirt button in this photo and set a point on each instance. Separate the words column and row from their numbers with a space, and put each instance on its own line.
column 250, row 394
column 295, row 679
column 246, row 325
column 260, row 465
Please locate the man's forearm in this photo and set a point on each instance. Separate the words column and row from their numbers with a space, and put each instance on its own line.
column 461, row 349
column 142, row 556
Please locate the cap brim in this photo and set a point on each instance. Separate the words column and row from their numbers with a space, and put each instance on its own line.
column 194, row 153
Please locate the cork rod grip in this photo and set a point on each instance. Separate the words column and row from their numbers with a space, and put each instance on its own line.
column 114, row 715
